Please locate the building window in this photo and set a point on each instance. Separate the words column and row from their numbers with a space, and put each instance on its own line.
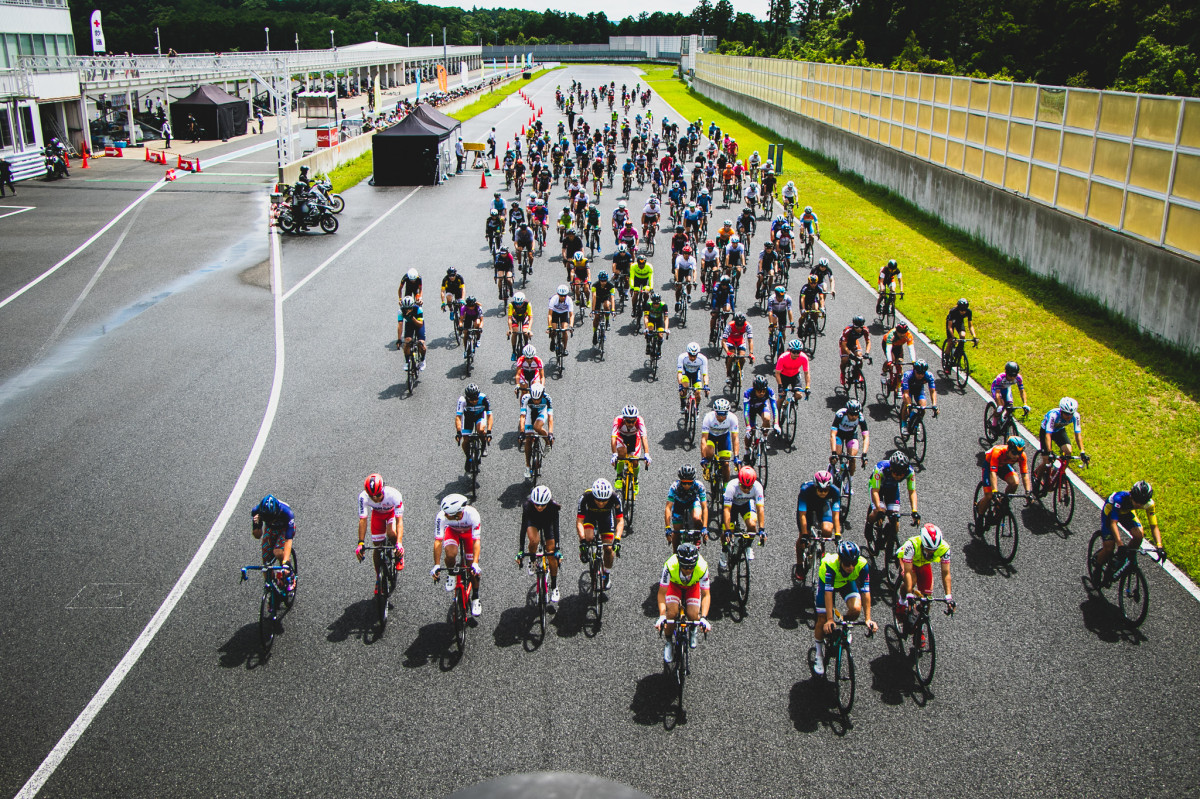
column 28, row 135
column 6, row 138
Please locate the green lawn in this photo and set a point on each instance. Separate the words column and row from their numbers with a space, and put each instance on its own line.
column 1140, row 401
column 351, row 173
column 493, row 99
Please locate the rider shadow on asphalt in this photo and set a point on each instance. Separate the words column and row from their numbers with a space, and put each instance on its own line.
column 433, row 644
column 1105, row 620
column 654, row 702
column 812, row 704
column 243, row 649
column 356, row 621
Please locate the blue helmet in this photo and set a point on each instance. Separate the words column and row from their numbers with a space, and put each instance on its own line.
column 269, row 506
column 848, row 553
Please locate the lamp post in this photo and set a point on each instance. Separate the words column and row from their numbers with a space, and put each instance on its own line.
column 157, row 42
column 268, row 32
column 297, row 42
column 408, row 40
column 332, row 46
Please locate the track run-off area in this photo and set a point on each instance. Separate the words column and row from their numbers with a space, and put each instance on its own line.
column 172, row 372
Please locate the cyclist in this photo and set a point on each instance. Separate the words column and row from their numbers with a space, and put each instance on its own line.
column 641, row 276
column 498, row 205
column 844, row 572
column 539, row 525
column 591, row 223
column 843, row 434
column 789, row 197
column 692, row 219
column 849, row 343
column 788, row 368
column 724, row 234
column 960, row 316
column 704, row 202
column 825, row 276
column 743, row 499
column 759, row 400
column 494, row 229
column 471, row 315
column 456, row 527
column 894, row 342
column 735, row 256
column 885, row 488
column 453, row 287
column 628, row 238
column 685, row 580
column 679, row 240
column 766, row 262
column 620, row 216
column 411, row 324
column 560, row 311
column 692, row 369
column 890, row 279
column 629, row 440
column 523, row 241
column 655, row 321
column 623, row 259
column 812, row 298
column 685, row 272
column 810, row 226
column 537, row 418
column 599, row 511
column 913, row 386
column 818, row 505
column 571, row 244
column 737, row 339
column 473, row 415
column 529, row 370
column 709, row 258
column 1119, row 511
column 650, row 215
column 502, row 268
column 719, row 438
column 1054, row 431
column 564, row 222
column 273, row 523
column 516, row 215
column 1002, row 387
column 746, row 225
column 602, row 300
column 1002, row 462
column 520, row 319
column 410, row 286
column 579, row 272
column 385, row 507
column 917, row 556
column 687, row 506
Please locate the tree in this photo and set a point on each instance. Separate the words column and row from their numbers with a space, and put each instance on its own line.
column 779, row 16
column 722, row 19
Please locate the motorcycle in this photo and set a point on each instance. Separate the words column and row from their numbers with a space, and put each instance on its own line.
column 296, row 215
column 56, row 166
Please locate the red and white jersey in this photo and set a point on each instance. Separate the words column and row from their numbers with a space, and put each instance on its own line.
column 389, row 506
column 529, row 367
column 461, row 529
column 628, row 429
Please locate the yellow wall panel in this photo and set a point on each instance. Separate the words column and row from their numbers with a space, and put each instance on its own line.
column 940, row 117
column 1020, row 137
column 1072, row 194
column 912, row 89
column 896, row 140
column 1151, row 168
column 993, row 168
column 1024, row 101
column 886, row 82
column 909, row 143
column 924, row 117
column 976, row 128
column 1046, row 144
column 979, row 94
column 997, row 133
column 1105, row 205
column 941, row 89
column 954, row 155
column 927, row 84
column 910, row 113
column 1112, row 159
column 1144, row 216
column 873, row 130
column 1001, row 95
column 973, row 162
column 1041, row 183
column 1050, row 104
column 898, row 110
column 885, row 133
column 1077, row 152
column 1189, row 135
column 922, row 148
column 1116, row 114
column 876, row 80
column 1016, row 173
column 958, row 125
column 1187, row 177
column 873, row 109
column 1081, row 108
column 1158, row 119
column 1183, row 229
column 937, row 150
column 961, row 92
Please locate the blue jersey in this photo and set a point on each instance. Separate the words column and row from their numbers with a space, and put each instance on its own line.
column 753, row 403
column 915, row 386
column 692, row 216
column 703, row 201
column 474, row 411
column 282, row 524
column 683, row 499
column 809, row 502
column 1056, row 420
column 1119, row 508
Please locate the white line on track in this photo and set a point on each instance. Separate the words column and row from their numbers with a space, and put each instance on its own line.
column 1084, row 488
column 13, row 210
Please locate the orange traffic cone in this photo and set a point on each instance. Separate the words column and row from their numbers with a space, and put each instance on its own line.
column 497, row 166
column 539, row 110
column 483, row 180
column 522, row 130
column 85, row 157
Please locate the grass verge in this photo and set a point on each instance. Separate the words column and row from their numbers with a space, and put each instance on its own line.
column 493, row 99
column 351, row 173
column 1140, row 400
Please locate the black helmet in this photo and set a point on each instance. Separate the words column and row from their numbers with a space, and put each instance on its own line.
column 920, row 366
column 858, row 321
column 963, row 304
column 688, row 555
column 898, row 461
column 679, row 228
column 892, row 263
column 471, row 299
column 1141, row 493
column 471, row 392
column 687, row 472
column 1012, row 369
column 760, row 383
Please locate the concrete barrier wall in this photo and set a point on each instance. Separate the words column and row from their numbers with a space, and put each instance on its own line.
column 1154, row 289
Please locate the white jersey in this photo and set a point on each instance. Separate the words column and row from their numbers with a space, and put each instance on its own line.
column 752, row 191
column 390, row 505
column 716, row 427
column 736, row 495
column 697, row 369
column 789, row 192
column 735, row 253
column 710, row 256
column 468, row 525
column 652, row 209
column 685, row 263
column 559, row 304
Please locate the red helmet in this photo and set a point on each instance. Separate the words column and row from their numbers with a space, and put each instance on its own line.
column 747, row 476
column 710, row 243
column 374, row 486
column 687, row 249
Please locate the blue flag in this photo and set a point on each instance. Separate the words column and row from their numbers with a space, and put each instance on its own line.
column 418, row 85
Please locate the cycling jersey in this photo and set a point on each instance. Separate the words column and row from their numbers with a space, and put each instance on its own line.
column 685, row 264
column 504, row 263
column 604, row 290
column 524, row 237
column 414, row 322
column 915, row 385
column 453, row 285
column 753, row 403
column 735, row 334
column 883, row 480
column 710, row 255
column 896, row 340
column 518, row 313
column 683, row 499
column 737, row 497
column 656, row 313
column 821, row 272
column 721, row 295
column 912, row 552
column 1119, row 508
column 735, row 254
column 531, row 409
column 472, row 412
column 280, row 526
column 544, row 520
column 629, row 431
column 561, row 305
column 671, row 576
column 887, row 275
column 778, row 306
column 851, row 335
column 1005, row 384
column 791, row 365
column 529, row 368
column 845, row 427
column 464, row 530
column 469, row 313
column 958, row 319
column 998, row 460
column 409, row 288
column 696, row 370
column 1056, row 420
column 808, row 220
column 644, row 272
column 811, row 294
column 383, row 510
column 719, row 427
column 592, row 513
column 817, row 508
column 725, row 233
column 831, row 577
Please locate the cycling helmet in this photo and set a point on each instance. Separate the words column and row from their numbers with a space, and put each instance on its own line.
column 494, row 212
column 721, row 406
column 628, row 224
column 373, row 485
column 629, row 412
column 710, row 244
column 779, row 219
column 808, row 209
column 602, row 277
column 1012, row 369
column 408, row 303
column 963, row 304
column 739, row 318
column 536, row 391
column 920, row 366
column 898, row 461
column 736, row 240
column 688, row 555
column 1141, row 493
column 602, row 489
column 823, row 262
column 755, row 155
column 530, row 351
column 270, row 506
column 1068, row 405
column 621, row 205
column 858, row 321
column 623, row 248
column 687, row 473
column 692, row 205
column 453, row 504
column 578, row 256
column 563, row 290
column 471, row 392
column 518, row 299
column 760, row 382
column 687, row 249
column 791, row 184
column 786, row 226
column 413, row 274
column 848, row 553
column 641, row 258
column 931, row 538
column 823, row 479
column 746, row 477
column 811, row 279
column 693, row 349
column 655, row 297
column 1015, row 443
column 515, row 203
column 892, row 263
column 451, row 272
column 503, row 251
column 902, row 327
column 566, row 209
column 739, row 162
column 496, row 194
column 523, row 225
column 679, row 228
column 854, row 407
column 471, row 300
column 540, row 496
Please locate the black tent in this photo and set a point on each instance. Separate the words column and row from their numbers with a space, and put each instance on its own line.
column 219, row 114
column 432, row 116
column 408, row 153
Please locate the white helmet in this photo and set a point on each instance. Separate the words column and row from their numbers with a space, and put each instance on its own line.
column 529, row 351
column 791, row 184
column 1068, row 405
column 621, row 205
column 602, row 489
column 453, row 503
column 563, row 290
column 536, row 391
column 540, row 496
column 735, row 240
column 693, row 349
column 413, row 274
column 931, row 538
column 518, row 298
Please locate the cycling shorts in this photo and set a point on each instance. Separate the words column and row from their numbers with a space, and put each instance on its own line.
column 414, row 331
column 630, row 441
column 1059, row 436
column 723, row 442
column 604, row 525
column 560, row 317
column 684, row 513
column 740, row 346
column 689, row 381
column 1002, row 473
column 471, row 420
column 743, row 510
column 847, row 439
column 850, row 589
column 641, row 282
column 689, row 594
column 923, row 577
column 463, row 539
column 789, row 381
column 271, row 541
column 532, row 416
column 754, row 413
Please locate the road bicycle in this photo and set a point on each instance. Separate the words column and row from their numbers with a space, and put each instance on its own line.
column 412, row 368
column 592, row 237
column 737, row 561
column 558, row 346
column 1057, row 484
column 525, row 264
column 999, row 518
column 733, row 382
column 915, row 629
column 460, row 582
column 601, row 328
column 680, row 666
column 1000, row 424
column 683, row 300
column 470, row 345
column 1123, row 571
column 654, row 343
column 913, row 437
column 715, row 471
column 627, row 486
column 789, row 415
column 839, row 465
column 648, row 234
column 598, row 574
column 539, row 445
column 756, row 451
column 385, row 582
column 691, row 412
column 454, row 306
column 768, row 204
column 539, row 236
column 581, row 290
column 955, row 363
column 777, row 342
column 621, row 285
column 475, row 444
column 518, row 338
column 278, row 596
column 837, row 652
column 495, row 241
column 539, row 569
column 892, row 382
column 883, row 542
column 885, row 308
column 808, row 330
column 854, row 383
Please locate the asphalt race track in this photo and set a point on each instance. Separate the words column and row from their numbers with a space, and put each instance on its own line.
column 130, row 396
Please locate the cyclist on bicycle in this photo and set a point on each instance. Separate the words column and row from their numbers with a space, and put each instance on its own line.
column 917, row 556
column 735, row 256
column 520, row 319
column 537, row 418
column 457, row 528
column 788, row 368
column 759, row 400
column 571, row 244
column 843, row 434
column 453, row 287
column 560, row 311
column 602, row 300
column 471, row 316
column 516, row 215
column 529, row 370
column 709, row 258
column 579, row 273
column 628, row 238
column 473, row 415
column 641, row 276
column 913, row 385
column 1054, row 431
column 273, row 523
column 704, row 202
column 1002, row 387
column 685, row 272
column 410, row 325
column 825, row 276
column 737, row 341
column 1002, row 462
column 890, row 279
column 959, row 320
column 599, row 511
column 629, row 440
column 655, row 321
column 766, row 263
column 724, row 234
column 385, row 507
column 685, row 580
column 650, row 215
column 539, row 526
column 743, row 499
column 523, row 241
column 894, row 342
column 618, row 220
column 1119, row 511
column 494, row 228
column 818, row 505
column 499, row 206
column 591, row 223
column 410, row 286
column 854, row 337
column 810, row 226
column 687, row 506
column 746, row 225
column 719, row 438
column 679, row 240
column 885, row 488
column 692, row 370
column 692, row 219
column 502, row 268
column 844, row 572
column 565, row 221
column 789, row 194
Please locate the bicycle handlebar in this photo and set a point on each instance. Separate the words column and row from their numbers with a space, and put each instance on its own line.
column 246, row 569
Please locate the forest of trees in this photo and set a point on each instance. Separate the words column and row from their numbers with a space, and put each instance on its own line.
column 1134, row 45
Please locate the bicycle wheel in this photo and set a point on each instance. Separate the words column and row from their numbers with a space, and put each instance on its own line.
column 763, row 462
column 1093, row 549
column 991, row 422
column 947, row 351
column 535, row 459
column 859, row 389
column 844, row 675
column 846, row 486
column 974, row 508
column 741, row 578
column 411, row 377
column 962, row 369
column 461, row 593
column 689, row 423
column 681, row 667
column 1064, row 501
column 266, row 619
column 381, row 599
column 289, row 598
column 597, row 576
column 627, row 501
column 924, row 652
column 1005, row 535
column 542, row 590
column 919, row 442
column 891, row 566
column 1134, row 595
